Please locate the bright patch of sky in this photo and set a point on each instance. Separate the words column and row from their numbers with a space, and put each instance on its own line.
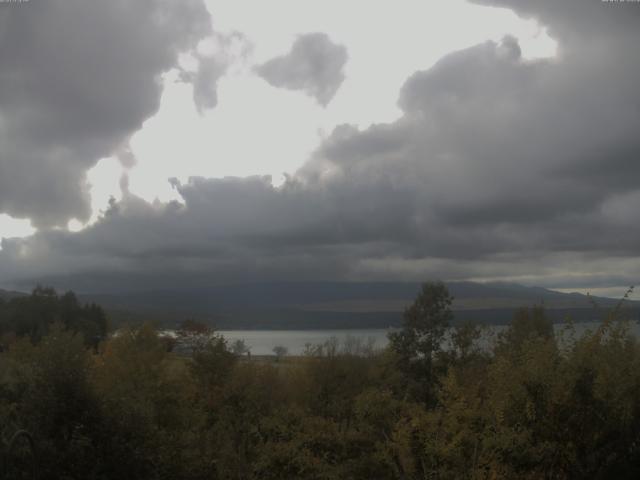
column 257, row 129
column 14, row 227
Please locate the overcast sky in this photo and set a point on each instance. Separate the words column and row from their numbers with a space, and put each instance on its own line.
column 165, row 143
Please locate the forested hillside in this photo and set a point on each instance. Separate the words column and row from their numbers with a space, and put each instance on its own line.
column 532, row 405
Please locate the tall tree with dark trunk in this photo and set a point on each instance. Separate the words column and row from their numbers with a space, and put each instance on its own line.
column 417, row 347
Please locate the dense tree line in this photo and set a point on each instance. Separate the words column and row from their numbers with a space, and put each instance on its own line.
column 33, row 315
column 440, row 402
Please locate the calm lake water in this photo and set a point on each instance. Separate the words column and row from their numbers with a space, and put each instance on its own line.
column 261, row 342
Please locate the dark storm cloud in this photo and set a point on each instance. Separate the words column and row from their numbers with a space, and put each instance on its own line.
column 77, row 78
column 314, row 65
column 225, row 231
column 498, row 168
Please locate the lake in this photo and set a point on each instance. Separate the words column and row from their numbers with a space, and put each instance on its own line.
column 261, row 342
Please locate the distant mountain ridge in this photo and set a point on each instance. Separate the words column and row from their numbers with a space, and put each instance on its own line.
column 8, row 294
column 324, row 305
column 343, row 304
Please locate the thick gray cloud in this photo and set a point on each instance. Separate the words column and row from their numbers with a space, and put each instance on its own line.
column 578, row 24
column 314, row 65
column 77, row 78
column 204, row 79
column 212, row 66
column 498, row 168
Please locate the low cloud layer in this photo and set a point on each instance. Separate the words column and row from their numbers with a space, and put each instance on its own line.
column 499, row 168
column 314, row 65
column 77, row 78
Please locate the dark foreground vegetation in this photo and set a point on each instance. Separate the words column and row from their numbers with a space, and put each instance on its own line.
column 531, row 405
